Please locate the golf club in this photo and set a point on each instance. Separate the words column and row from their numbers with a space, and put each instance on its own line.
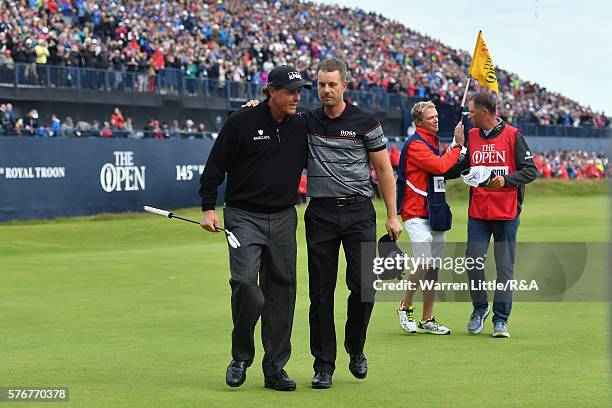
column 231, row 238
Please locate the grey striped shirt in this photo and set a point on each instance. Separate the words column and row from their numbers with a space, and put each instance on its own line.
column 338, row 160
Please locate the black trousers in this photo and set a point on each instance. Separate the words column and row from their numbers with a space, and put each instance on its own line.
column 268, row 252
column 327, row 226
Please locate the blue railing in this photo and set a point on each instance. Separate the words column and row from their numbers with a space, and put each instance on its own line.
column 167, row 81
column 534, row 129
column 115, row 133
column 174, row 81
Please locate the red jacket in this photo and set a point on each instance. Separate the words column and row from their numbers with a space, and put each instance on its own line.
column 420, row 163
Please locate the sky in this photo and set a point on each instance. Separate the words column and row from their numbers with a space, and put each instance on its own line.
column 563, row 45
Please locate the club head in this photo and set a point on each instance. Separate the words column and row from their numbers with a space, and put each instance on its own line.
column 231, row 239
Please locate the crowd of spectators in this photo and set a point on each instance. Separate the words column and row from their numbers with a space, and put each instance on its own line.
column 561, row 164
column 242, row 40
column 572, row 165
column 117, row 125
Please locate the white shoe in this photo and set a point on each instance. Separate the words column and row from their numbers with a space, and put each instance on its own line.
column 406, row 318
column 432, row 327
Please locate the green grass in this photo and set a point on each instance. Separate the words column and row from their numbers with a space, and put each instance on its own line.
column 456, row 190
column 133, row 311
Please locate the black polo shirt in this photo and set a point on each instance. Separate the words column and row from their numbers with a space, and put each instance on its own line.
column 263, row 160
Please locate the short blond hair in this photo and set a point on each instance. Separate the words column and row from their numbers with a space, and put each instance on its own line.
column 419, row 108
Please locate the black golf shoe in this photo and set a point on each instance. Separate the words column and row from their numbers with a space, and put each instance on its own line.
column 236, row 373
column 280, row 382
column 358, row 366
column 322, row 380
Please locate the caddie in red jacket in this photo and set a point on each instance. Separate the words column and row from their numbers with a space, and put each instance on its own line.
column 422, row 205
column 495, row 207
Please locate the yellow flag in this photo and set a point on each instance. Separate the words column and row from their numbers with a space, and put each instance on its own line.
column 482, row 67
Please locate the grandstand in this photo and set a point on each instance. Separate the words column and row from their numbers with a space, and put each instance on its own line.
column 174, row 70
column 156, row 54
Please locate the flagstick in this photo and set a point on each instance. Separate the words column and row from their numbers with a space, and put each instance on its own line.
column 467, row 86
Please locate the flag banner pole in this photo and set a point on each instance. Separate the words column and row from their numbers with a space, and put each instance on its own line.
column 467, row 86
column 482, row 70
column 462, row 112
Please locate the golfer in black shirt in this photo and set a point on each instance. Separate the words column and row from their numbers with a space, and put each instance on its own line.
column 263, row 153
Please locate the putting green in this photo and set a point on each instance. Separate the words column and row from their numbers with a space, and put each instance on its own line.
column 133, row 311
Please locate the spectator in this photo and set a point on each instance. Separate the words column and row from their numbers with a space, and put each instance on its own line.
column 30, row 124
column 157, row 130
column 165, row 128
column 67, row 128
column 190, row 131
column 394, row 157
column 94, row 130
column 19, row 127
column 117, row 119
column 29, row 57
column 149, row 129
column 43, row 131
column 128, row 127
column 42, row 52
column 7, row 62
column 7, row 119
column 201, row 130
column 56, row 126
column 175, row 130
column 106, row 130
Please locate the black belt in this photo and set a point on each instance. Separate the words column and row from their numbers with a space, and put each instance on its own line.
column 341, row 201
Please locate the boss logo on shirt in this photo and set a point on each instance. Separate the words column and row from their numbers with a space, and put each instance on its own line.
column 261, row 136
column 294, row 75
column 348, row 133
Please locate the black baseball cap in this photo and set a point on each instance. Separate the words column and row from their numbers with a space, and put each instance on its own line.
column 286, row 77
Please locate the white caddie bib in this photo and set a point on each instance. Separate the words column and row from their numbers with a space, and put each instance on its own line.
column 439, row 184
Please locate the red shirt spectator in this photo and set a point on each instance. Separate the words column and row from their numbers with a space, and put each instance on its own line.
column 394, row 156
column 117, row 119
column 563, row 173
column 106, row 131
column 51, row 5
column 592, row 171
column 538, row 163
column 158, row 59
